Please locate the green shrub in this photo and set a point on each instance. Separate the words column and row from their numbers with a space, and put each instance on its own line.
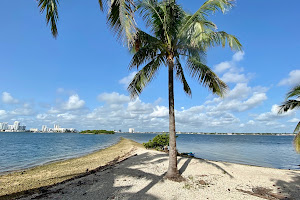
column 158, row 142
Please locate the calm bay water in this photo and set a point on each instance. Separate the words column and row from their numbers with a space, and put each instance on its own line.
column 23, row 150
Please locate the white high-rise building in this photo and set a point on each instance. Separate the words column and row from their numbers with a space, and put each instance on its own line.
column 4, row 126
column 131, row 130
column 44, row 128
column 11, row 127
column 16, row 126
column 56, row 126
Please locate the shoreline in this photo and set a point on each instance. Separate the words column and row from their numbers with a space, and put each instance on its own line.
column 128, row 162
column 59, row 160
column 15, row 183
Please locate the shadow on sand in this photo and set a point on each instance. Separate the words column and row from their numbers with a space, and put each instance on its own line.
column 292, row 188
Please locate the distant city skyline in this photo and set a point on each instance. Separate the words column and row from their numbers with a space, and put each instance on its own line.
column 79, row 79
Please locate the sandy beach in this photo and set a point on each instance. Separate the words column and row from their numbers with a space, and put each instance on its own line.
column 128, row 171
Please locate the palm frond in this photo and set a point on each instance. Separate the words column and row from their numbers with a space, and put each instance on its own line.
column 289, row 105
column 221, row 38
column 295, row 92
column 206, row 76
column 153, row 13
column 51, row 13
column 144, row 76
column 297, row 141
column 121, row 19
column 297, row 129
column 180, row 76
column 146, row 48
column 143, row 39
column 209, row 6
column 100, row 4
column 216, row 5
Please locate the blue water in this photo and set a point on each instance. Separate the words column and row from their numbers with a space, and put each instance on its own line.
column 24, row 150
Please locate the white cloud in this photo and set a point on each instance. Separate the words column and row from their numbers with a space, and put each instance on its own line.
column 53, row 111
column 22, row 112
column 126, row 80
column 239, row 99
column 113, row 98
column 238, row 56
column 294, row 120
column 273, row 114
column 73, row 103
column 223, row 66
column 251, row 122
column 160, row 111
column 67, row 116
column 3, row 114
column 234, row 78
column 7, row 98
column 292, row 80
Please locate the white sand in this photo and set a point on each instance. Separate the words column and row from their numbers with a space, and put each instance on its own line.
column 141, row 177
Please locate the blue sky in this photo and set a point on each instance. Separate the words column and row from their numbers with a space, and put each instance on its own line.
column 79, row 79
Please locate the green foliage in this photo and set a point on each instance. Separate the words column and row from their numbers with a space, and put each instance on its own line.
column 158, row 142
column 173, row 36
column 291, row 104
column 98, row 132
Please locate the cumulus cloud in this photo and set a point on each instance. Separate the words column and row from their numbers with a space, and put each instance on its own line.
column 292, row 80
column 239, row 99
column 8, row 99
column 238, row 56
column 234, row 78
column 273, row 114
column 126, row 80
column 160, row 111
column 294, row 120
column 73, row 103
column 223, row 66
column 113, row 98
column 232, row 73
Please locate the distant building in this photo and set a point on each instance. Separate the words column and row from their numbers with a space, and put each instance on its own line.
column 16, row 126
column 44, row 128
column 131, row 130
column 34, row 130
column 22, row 128
column 10, row 127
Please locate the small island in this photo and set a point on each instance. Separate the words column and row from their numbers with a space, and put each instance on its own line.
column 97, row 132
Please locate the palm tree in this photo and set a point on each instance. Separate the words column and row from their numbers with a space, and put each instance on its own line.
column 175, row 36
column 120, row 16
column 291, row 104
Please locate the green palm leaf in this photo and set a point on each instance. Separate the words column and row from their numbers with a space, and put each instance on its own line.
column 206, row 76
column 180, row 76
column 295, row 92
column 289, row 105
column 120, row 19
column 145, row 76
column 51, row 13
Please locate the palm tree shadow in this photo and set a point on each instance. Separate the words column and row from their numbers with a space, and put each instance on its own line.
column 215, row 165
column 292, row 188
column 185, row 165
column 115, row 182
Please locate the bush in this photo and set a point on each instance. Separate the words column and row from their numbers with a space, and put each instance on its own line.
column 158, row 142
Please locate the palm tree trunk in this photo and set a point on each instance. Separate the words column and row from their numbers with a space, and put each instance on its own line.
column 173, row 172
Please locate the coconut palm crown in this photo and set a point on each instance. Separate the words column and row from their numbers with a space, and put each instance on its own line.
column 175, row 36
